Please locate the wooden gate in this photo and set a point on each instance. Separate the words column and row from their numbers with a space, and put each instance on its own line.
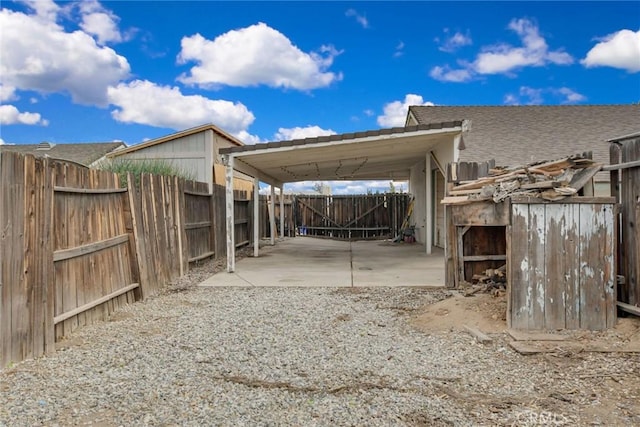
column 374, row 216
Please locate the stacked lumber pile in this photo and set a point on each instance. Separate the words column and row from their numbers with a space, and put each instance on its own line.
column 552, row 180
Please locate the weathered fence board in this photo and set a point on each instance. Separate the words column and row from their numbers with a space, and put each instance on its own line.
column 625, row 186
column 199, row 221
column 76, row 246
column 91, row 248
column 353, row 216
column 161, row 242
column 561, row 266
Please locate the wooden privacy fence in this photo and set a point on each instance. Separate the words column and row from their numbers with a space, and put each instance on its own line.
column 352, row 216
column 76, row 245
column 265, row 215
column 625, row 187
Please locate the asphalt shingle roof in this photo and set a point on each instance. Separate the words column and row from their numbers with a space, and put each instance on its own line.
column 514, row 135
column 83, row 153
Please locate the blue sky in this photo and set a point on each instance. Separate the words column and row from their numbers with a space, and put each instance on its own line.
column 102, row 71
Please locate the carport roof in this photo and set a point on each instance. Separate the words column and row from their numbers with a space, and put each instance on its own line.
column 375, row 154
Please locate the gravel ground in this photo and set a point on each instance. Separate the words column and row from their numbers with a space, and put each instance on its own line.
column 314, row 356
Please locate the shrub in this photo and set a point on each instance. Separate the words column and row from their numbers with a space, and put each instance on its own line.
column 137, row 167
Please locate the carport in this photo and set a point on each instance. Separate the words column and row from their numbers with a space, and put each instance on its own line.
column 402, row 153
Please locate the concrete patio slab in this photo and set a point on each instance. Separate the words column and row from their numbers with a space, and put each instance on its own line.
column 314, row 262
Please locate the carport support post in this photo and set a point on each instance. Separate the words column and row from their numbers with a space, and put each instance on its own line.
column 272, row 217
column 282, row 210
column 256, row 216
column 231, row 244
column 428, row 227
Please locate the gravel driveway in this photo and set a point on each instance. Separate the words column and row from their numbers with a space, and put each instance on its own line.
column 312, row 356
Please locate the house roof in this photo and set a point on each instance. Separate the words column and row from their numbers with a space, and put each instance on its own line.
column 374, row 154
column 180, row 134
column 82, row 153
column 515, row 135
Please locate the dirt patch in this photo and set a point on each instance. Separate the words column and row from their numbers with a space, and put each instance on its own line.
column 482, row 311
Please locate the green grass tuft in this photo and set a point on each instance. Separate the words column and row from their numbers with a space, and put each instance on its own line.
column 136, row 168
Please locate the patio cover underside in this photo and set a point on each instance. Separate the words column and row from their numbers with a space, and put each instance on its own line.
column 378, row 156
column 387, row 154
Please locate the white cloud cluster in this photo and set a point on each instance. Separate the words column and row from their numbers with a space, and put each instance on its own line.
column 7, row 93
column 399, row 50
column 535, row 96
column 144, row 102
column 285, row 134
column 37, row 54
column 343, row 187
column 451, row 43
column 100, row 22
column 395, row 113
column 617, row 50
column 504, row 58
column 361, row 19
column 10, row 115
column 267, row 57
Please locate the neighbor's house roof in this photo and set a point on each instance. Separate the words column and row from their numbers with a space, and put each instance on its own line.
column 514, row 135
column 83, row 153
column 181, row 134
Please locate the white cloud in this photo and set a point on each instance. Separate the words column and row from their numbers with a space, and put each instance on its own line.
column 39, row 55
column 571, row 96
column 2, row 141
column 144, row 102
column 248, row 138
column 453, row 42
column 361, row 19
column 7, row 93
column 535, row 96
column 399, row 51
column 342, row 187
column 10, row 115
column 446, row 74
column 285, row 134
column 45, row 9
column 99, row 22
column 395, row 113
column 255, row 55
column 534, row 52
column 504, row 58
column 617, row 50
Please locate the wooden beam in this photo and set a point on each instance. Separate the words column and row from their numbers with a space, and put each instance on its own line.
column 281, row 211
column 64, row 316
column 484, row 258
column 192, row 225
column 478, row 335
column 256, row 216
column 202, row 256
column 89, row 248
column 196, row 193
column 231, row 246
column 59, row 189
column 631, row 309
column 272, row 216
column 626, row 165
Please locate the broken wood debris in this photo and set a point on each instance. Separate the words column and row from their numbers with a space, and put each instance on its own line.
column 550, row 180
column 491, row 281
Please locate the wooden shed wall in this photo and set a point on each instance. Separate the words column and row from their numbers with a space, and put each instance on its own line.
column 192, row 154
column 561, row 266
